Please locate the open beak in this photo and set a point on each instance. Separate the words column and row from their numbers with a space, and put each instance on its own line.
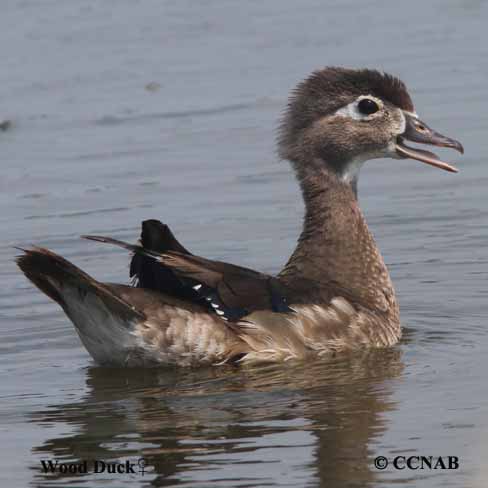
column 418, row 131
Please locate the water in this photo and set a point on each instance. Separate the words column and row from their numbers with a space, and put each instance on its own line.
column 124, row 111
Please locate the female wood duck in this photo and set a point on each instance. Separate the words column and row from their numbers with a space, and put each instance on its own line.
column 334, row 293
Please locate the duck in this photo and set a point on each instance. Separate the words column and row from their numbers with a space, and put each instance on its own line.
column 334, row 293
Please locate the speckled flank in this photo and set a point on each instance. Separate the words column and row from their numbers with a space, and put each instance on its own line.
column 315, row 329
column 178, row 336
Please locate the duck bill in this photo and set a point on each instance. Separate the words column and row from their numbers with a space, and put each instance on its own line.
column 418, row 131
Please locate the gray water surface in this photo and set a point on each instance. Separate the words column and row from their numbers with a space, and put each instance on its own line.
column 123, row 111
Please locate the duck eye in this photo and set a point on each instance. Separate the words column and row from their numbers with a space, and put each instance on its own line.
column 367, row 106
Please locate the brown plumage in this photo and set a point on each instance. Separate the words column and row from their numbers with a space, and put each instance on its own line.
column 334, row 293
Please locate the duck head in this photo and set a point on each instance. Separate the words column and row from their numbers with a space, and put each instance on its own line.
column 339, row 118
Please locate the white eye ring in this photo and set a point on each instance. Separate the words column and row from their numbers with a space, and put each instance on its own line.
column 352, row 109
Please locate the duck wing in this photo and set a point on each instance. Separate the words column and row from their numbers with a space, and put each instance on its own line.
column 227, row 290
column 157, row 237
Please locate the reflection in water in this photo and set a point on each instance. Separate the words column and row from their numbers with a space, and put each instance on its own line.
column 182, row 422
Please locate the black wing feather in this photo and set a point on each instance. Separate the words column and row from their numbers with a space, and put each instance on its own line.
column 161, row 263
column 157, row 237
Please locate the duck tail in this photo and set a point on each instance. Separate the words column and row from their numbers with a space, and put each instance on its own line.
column 55, row 276
column 48, row 272
column 104, row 321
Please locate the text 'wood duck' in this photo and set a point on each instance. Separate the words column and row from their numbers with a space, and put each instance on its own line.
column 333, row 294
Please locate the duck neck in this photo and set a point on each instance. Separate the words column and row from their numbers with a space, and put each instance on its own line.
column 335, row 244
